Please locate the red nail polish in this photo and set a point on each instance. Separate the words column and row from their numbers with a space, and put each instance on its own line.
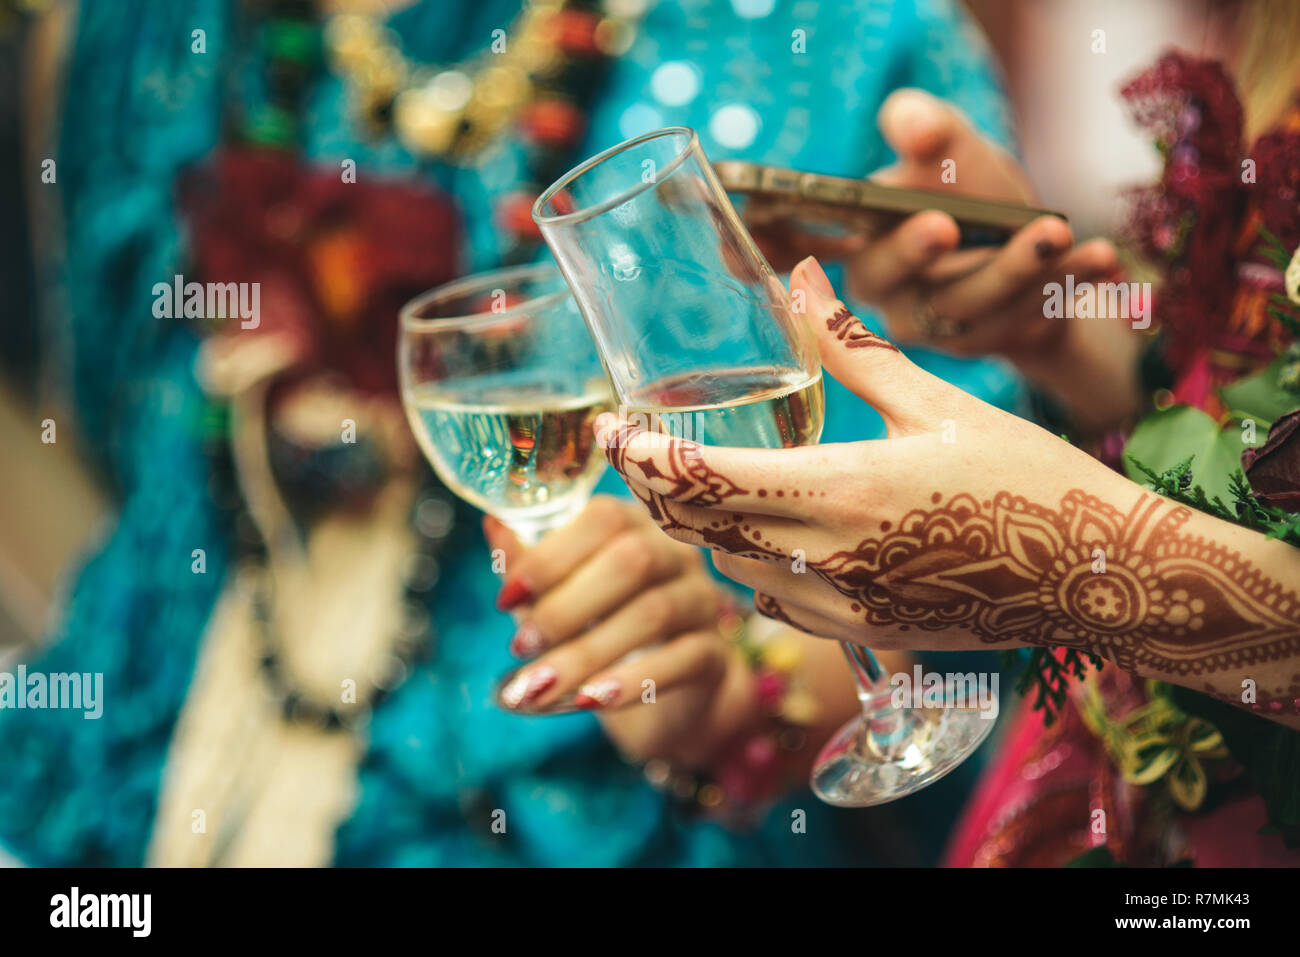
column 514, row 592
column 527, row 642
column 597, row 695
column 528, row 685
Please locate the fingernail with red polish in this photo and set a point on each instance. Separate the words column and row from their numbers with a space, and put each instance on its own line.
column 514, row 593
column 816, row 277
column 597, row 694
column 527, row 685
column 527, row 642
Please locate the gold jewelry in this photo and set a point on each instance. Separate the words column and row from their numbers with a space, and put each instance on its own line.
column 453, row 112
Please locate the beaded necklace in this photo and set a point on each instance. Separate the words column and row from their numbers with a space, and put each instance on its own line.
column 286, row 35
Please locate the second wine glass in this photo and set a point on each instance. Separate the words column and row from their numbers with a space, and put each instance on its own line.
column 501, row 384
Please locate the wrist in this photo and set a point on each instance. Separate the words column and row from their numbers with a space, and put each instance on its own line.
column 1092, row 371
column 750, row 749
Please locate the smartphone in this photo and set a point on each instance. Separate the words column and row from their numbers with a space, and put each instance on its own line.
column 838, row 204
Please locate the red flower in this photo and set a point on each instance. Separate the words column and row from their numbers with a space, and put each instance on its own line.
column 575, row 31
column 1277, row 160
column 1189, row 220
column 336, row 260
column 553, row 122
column 1274, row 468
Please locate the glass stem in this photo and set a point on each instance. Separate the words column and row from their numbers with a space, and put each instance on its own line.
column 530, row 532
column 867, row 673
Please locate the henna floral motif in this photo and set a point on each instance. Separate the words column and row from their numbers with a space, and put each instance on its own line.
column 849, row 330
column 694, row 483
column 1010, row 570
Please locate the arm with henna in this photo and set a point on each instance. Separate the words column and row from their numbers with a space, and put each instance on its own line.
column 970, row 528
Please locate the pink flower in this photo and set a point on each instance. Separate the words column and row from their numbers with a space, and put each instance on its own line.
column 770, row 688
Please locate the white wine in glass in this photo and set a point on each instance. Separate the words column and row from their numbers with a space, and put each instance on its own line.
column 501, row 384
column 763, row 407
column 516, row 449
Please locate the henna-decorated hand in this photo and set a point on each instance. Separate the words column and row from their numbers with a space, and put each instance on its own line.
column 968, row 527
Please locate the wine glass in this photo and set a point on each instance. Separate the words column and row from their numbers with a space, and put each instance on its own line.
column 501, row 384
column 699, row 337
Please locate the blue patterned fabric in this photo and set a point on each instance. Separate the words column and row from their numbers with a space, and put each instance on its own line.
column 139, row 107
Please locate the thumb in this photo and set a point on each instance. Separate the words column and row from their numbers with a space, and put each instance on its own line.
column 908, row 398
column 933, row 138
column 500, row 537
column 919, row 127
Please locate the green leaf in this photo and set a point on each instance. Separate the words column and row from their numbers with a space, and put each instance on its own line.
column 1169, row 436
column 1269, row 752
column 1259, row 396
column 1188, row 784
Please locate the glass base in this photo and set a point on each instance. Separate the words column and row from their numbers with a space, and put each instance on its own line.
column 888, row 753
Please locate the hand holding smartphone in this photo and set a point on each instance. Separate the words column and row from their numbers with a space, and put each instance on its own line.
column 839, row 205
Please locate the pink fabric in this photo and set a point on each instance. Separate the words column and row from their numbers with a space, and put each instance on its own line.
column 999, row 786
column 1229, row 837
column 1033, row 807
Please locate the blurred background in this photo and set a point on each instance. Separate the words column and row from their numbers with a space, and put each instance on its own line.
column 52, row 506
column 1062, row 61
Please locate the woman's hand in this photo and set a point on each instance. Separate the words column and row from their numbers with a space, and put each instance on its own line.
column 970, row 528
column 609, row 585
column 978, row 301
column 604, row 586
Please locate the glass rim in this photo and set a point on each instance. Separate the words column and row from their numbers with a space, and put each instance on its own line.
column 605, row 205
column 495, row 278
